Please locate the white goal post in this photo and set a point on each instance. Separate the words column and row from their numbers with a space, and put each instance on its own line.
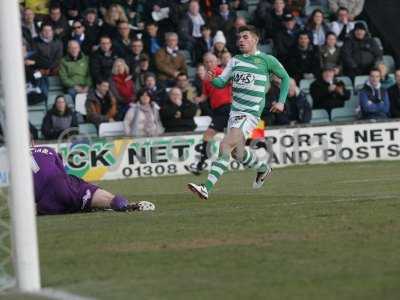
column 23, row 217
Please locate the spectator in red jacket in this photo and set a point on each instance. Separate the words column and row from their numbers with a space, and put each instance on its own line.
column 122, row 86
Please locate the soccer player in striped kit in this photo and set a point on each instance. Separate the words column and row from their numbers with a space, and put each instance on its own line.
column 250, row 74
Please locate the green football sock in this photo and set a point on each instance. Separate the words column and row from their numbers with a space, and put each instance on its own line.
column 218, row 168
column 251, row 161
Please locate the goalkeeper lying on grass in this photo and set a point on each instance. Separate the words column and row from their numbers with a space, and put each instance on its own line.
column 56, row 192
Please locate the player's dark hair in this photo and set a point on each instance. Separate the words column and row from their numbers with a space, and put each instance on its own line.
column 250, row 28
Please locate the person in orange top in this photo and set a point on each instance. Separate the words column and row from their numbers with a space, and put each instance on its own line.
column 220, row 101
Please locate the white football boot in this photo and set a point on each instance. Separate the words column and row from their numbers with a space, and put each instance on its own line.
column 261, row 177
column 199, row 190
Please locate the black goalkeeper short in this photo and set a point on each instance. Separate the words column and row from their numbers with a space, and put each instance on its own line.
column 220, row 117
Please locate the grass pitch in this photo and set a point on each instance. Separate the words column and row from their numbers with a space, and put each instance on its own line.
column 313, row 232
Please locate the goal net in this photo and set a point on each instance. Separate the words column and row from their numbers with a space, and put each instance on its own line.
column 7, row 279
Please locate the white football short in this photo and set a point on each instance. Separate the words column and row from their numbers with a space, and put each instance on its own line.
column 244, row 121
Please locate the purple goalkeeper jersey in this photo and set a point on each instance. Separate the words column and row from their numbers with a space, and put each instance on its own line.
column 55, row 191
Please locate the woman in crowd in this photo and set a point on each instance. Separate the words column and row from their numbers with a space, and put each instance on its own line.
column 58, row 119
column 122, row 86
column 142, row 118
column 317, row 27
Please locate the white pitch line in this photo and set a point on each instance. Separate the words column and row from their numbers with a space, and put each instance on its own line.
column 59, row 295
column 368, row 180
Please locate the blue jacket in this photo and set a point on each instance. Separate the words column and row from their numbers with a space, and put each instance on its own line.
column 374, row 103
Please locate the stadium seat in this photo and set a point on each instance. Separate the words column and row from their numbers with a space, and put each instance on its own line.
column 80, row 103
column 310, row 99
column 352, row 103
column 87, row 128
column 343, row 114
column 36, row 117
column 202, row 122
column 187, row 56
column 267, row 48
column 389, row 62
column 379, row 42
column 111, row 129
column 36, row 107
column 347, row 82
column 191, row 71
column 305, row 85
column 359, row 82
column 319, row 116
column 55, row 84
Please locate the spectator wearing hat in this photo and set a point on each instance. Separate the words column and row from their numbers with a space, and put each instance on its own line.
column 169, row 61
column 374, row 99
column 354, row 7
column 394, row 96
column 224, row 18
column 360, row 52
column 342, row 27
column 303, row 59
column 286, row 38
column 328, row 93
column 330, row 54
column 219, row 45
column 190, row 27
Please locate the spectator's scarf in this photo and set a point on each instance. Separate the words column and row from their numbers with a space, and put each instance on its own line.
column 125, row 87
column 149, row 126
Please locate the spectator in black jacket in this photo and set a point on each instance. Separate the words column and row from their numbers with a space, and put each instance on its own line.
column 58, row 22
column 360, row 52
column 155, row 89
column 204, row 44
column 134, row 54
column 274, row 19
column 102, row 60
column 123, row 40
column 29, row 23
column 78, row 34
column 58, row 119
column 223, row 19
column 286, row 38
column 303, row 60
column 231, row 37
column 328, row 93
column 394, row 97
column 92, row 27
column 177, row 114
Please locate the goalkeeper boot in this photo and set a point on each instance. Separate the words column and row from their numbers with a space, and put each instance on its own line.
column 199, row 190
column 261, row 177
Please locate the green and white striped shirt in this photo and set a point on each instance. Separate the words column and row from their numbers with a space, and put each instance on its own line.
column 250, row 75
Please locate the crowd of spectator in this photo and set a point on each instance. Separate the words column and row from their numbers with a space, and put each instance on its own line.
column 126, row 56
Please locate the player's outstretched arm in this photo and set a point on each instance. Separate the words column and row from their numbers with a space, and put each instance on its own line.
column 222, row 80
